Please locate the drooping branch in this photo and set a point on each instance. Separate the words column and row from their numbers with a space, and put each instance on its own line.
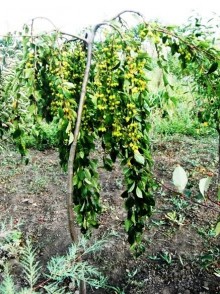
column 75, row 38
column 71, row 218
column 129, row 11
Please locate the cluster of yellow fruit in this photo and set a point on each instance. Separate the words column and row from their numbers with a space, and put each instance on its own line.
column 135, row 86
column 117, row 91
column 30, row 60
column 66, row 74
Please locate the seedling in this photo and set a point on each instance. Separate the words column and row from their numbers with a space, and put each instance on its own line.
column 167, row 257
column 173, row 217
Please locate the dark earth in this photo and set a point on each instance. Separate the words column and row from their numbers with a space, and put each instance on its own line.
column 182, row 255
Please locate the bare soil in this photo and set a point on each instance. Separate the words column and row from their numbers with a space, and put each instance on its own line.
column 181, row 255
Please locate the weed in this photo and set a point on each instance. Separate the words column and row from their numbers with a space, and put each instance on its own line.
column 206, row 233
column 153, row 257
column 174, row 218
column 131, row 274
column 119, row 183
column 59, row 268
column 181, row 260
column 43, row 136
column 157, row 222
column 38, row 184
column 116, row 290
column 210, row 258
column 167, row 257
column 10, row 240
column 217, row 273
column 178, row 203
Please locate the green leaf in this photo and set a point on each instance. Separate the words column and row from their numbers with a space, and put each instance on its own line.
column 69, row 85
column 128, row 224
column 204, row 185
column 217, row 229
column 71, row 138
column 88, row 181
column 164, row 39
column 129, row 202
column 180, row 178
column 28, row 73
column 218, row 195
column 108, row 164
column 17, row 133
column 32, row 109
column 131, row 188
column 75, row 180
column 138, row 157
column 174, row 48
column 213, row 68
column 94, row 99
column 87, row 173
column 139, row 193
column 165, row 80
column 69, row 127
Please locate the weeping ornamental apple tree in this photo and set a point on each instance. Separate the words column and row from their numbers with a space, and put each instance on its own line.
column 96, row 87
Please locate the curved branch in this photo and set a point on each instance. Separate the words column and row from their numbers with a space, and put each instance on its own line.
column 41, row 17
column 75, row 37
column 129, row 11
column 165, row 31
column 95, row 29
column 71, row 217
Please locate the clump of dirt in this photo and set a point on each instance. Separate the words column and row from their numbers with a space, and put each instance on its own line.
column 181, row 253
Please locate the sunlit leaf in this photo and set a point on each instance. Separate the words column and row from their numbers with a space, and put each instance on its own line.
column 131, row 188
column 204, row 185
column 71, row 138
column 139, row 193
column 180, row 178
column 128, row 224
column 139, row 158
column 217, row 229
column 218, row 195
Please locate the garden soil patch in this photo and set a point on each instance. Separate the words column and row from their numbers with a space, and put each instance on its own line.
column 181, row 254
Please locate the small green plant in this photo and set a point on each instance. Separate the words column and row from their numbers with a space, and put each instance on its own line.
column 217, row 273
column 174, row 218
column 131, row 274
column 30, row 266
column 10, row 239
column 210, row 258
column 117, row 290
column 206, row 233
column 43, row 136
column 38, row 184
column 69, row 267
column 179, row 204
column 153, row 257
column 157, row 222
column 167, row 257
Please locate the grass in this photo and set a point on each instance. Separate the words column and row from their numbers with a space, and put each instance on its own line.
column 182, row 121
